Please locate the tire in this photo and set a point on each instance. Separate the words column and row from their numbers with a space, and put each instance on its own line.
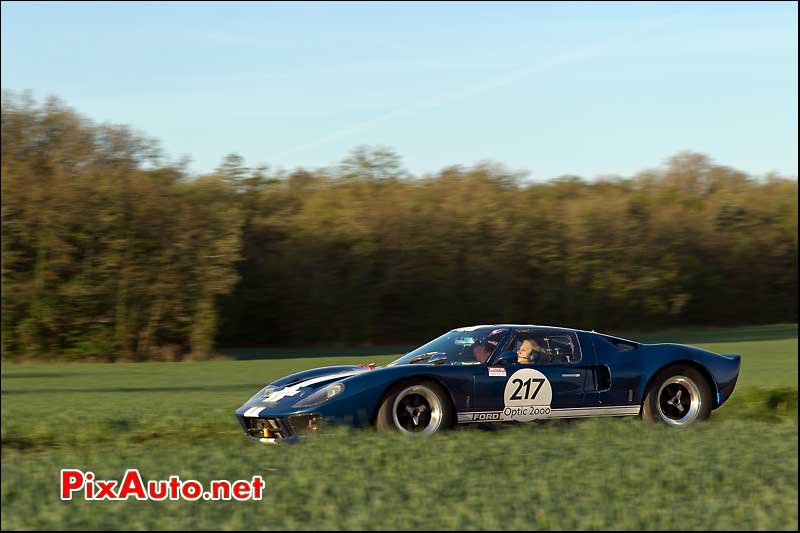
column 678, row 396
column 415, row 408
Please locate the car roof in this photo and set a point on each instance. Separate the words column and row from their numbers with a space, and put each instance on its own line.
column 612, row 338
column 516, row 326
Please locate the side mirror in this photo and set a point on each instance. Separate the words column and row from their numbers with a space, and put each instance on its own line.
column 506, row 358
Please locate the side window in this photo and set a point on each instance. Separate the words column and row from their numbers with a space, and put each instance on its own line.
column 536, row 348
column 562, row 349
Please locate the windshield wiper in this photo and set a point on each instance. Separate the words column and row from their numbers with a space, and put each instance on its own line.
column 423, row 357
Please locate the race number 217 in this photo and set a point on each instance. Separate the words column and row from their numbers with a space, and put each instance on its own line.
column 527, row 385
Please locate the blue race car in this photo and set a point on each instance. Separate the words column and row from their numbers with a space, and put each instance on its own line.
column 499, row 373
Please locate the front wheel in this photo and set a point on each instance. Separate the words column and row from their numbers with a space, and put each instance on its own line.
column 678, row 396
column 415, row 408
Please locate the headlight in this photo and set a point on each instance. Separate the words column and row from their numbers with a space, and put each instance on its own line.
column 322, row 395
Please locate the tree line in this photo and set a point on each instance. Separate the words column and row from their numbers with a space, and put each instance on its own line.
column 111, row 251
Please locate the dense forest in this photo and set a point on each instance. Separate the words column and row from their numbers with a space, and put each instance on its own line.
column 111, row 251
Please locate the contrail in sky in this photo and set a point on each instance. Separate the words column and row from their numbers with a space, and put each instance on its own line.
column 481, row 87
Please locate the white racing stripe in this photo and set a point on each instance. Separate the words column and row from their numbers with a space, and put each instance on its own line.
column 253, row 411
column 575, row 412
column 293, row 390
column 614, row 410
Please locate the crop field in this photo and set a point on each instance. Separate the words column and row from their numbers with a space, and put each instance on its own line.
column 738, row 471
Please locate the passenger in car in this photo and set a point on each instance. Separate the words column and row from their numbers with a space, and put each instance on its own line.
column 530, row 352
column 524, row 352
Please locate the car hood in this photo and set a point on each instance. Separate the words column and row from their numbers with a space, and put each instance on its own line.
column 291, row 389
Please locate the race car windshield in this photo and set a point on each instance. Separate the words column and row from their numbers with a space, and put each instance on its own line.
column 463, row 346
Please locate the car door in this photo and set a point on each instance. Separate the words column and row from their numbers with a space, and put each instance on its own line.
column 552, row 383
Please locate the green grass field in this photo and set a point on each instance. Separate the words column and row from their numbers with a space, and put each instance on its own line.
column 739, row 470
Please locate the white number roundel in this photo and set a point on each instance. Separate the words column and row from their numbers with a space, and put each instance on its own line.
column 527, row 396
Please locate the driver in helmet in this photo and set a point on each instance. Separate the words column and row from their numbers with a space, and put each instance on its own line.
column 482, row 350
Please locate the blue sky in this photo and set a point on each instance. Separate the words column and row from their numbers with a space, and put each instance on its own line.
column 553, row 88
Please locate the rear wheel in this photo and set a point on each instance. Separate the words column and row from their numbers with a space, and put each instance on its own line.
column 415, row 408
column 678, row 396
